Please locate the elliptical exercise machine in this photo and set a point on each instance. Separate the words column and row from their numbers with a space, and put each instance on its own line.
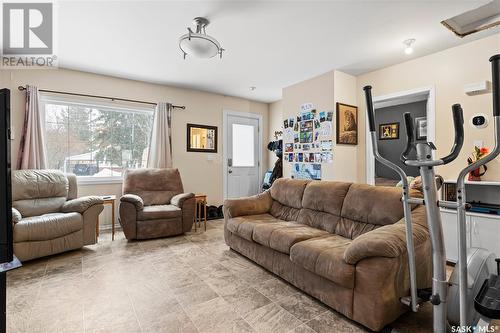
column 478, row 280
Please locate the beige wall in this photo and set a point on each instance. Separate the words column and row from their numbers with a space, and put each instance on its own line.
column 345, row 162
column 447, row 71
column 323, row 92
column 318, row 91
column 275, row 124
column 198, row 173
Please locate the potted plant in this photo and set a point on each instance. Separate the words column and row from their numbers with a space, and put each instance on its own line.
column 477, row 154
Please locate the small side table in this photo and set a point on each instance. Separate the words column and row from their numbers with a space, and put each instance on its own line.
column 108, row 200
column 201, row 206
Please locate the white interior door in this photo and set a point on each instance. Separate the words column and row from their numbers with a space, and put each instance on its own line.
column 243, row 154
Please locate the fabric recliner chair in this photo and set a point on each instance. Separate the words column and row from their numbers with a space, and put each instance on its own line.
column 47, row 215
column 154, row 204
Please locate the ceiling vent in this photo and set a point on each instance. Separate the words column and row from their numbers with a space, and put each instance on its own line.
column 481, row 18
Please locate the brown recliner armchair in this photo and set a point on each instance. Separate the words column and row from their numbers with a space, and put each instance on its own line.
column 48, row 216
column 154, row 204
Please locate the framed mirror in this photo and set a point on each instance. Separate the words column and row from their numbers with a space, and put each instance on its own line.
column 201, row 138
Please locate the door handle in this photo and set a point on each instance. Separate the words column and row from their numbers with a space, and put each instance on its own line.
column 229, row 162
column 230, row 171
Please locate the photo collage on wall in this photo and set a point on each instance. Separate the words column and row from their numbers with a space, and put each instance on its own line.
column 308, row 142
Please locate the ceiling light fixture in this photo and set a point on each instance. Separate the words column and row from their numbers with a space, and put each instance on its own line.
column 199, row 44
column 409, row 43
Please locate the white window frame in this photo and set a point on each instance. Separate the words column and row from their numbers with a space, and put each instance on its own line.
column 92, row 102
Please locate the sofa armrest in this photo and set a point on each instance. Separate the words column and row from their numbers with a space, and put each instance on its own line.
column 388, row 241
column 188, row 213
column 127, row 216
column 133, row 199
column 257, row 204
column 16, row 216
column 178, row 200
column 80, row 205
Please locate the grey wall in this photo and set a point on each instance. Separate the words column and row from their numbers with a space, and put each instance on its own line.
column 392, row 149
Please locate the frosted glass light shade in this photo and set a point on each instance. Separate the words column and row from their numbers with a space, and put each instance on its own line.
column 199, row 45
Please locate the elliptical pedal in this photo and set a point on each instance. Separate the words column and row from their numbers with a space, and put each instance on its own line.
column 487, row 301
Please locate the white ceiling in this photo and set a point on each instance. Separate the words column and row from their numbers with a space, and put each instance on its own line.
column 270, row 44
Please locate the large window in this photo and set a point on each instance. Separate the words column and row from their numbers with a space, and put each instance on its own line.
column 95, row 140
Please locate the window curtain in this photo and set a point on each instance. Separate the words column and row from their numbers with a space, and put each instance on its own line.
column 160, row 147
column 32, row 151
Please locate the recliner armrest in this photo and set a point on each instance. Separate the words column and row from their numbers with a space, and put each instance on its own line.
column 16, row 215
column 80, row 205
column 133, row 199
column 256, row 204
column 388, row 241
column 178, row 200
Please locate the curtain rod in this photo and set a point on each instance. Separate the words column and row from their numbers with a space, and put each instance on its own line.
column 21, row 88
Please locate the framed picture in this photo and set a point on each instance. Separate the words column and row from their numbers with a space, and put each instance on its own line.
column 201, row 138
column 421, row 125
column 388, row 131
column 347, row 124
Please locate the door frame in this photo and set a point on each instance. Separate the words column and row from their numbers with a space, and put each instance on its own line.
column 402, row 97
column 226, row 113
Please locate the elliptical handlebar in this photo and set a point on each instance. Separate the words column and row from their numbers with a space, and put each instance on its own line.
column 369, row 108
column 410, row 142
column 413, row 299
column 458, row 124
column 495, row 74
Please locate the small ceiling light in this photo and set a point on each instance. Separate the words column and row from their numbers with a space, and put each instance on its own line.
column 199, row 44
column 409, row 43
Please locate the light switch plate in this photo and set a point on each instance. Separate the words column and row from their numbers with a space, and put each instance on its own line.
column 479, row 143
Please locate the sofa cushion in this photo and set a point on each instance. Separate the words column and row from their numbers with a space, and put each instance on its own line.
column 32, row 184
column 48, row 226
column 324, row 256
column 318, row 219
column 154, row 186
column 288, row 192
column 280, row 236
column 369, row 207
column 283, row 212
column 243, row 225
column 39, row 206
column 159, row 212
column 325, row 196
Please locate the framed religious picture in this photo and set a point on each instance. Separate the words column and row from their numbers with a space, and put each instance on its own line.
column 347, row 124
column 201, row 138
column 388, row 131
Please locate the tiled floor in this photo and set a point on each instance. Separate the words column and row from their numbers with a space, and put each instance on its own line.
column 191, row 283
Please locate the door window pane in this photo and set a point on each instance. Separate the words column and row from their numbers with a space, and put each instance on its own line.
column 243, row 146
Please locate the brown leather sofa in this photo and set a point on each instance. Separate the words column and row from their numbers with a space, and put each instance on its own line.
column 342, row 243
column 48, row 216
column 154, row 204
